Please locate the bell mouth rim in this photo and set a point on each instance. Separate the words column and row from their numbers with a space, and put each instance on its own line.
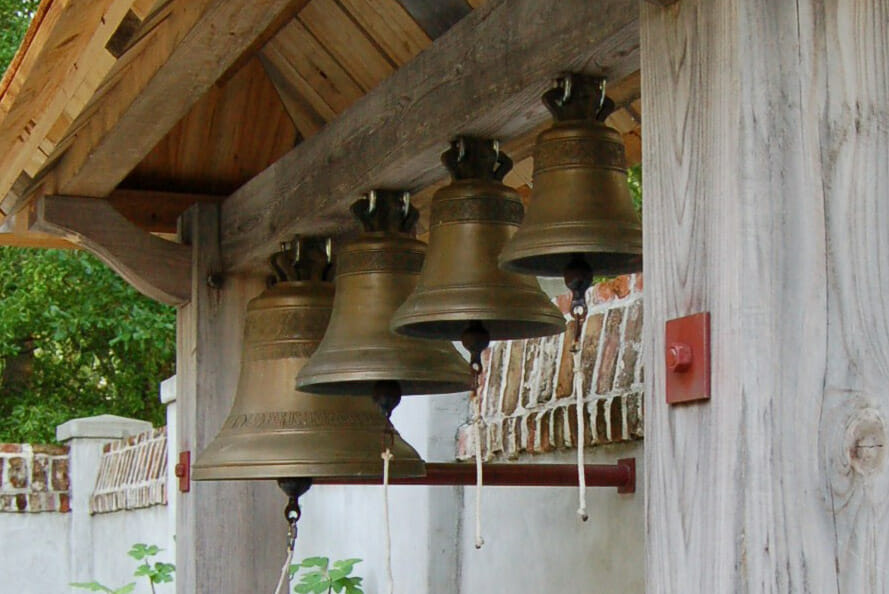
column 329, row 385
column 552, row 264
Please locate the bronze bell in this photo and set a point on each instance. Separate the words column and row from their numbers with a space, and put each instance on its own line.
column 580, row 213
column 471, row 219
column 375, row 273
column 275, row 431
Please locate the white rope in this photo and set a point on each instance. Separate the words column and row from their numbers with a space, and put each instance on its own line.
column 285, row 571
column 581, row 429
column 387, row 457
column 479, row 479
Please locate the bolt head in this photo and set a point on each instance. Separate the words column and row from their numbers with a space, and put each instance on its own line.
column 679, row 357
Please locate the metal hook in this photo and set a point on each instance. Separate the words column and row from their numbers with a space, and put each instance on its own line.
column 565, row 83
column 602, row 86
column 461, row 149
column 406, row 201
column 372, row 201
column 297, row 249
column 328, row 249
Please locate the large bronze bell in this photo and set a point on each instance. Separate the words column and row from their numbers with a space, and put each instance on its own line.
column 461, row 286
column 275, row 431
column 375, row 273
column 581, row 214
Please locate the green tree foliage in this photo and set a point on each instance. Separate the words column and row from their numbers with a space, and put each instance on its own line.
column 76, row 340
column 15, row 15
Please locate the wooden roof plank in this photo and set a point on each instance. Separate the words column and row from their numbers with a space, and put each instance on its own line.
column 345, row 40
column 390, row 25
column 307, row 121
column 485, row 77
column 220, row 143
column 117, row 140
column 69, row 44
column 313, row 72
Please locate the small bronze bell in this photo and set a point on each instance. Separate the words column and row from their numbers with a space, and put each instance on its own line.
column 375, row 273
column 461, row 285
column 274, row 431
column 581, row 215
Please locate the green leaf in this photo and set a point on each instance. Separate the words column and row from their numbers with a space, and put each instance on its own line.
column 92, row 586
column 321, row 562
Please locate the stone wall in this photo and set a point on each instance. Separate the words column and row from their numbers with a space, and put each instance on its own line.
column 34, row 478
column 527, row 398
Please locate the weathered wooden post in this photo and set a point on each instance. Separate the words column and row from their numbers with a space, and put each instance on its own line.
column 230, row 536
column 767, row 204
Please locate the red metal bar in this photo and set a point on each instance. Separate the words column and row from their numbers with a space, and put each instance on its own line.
column 621, row 475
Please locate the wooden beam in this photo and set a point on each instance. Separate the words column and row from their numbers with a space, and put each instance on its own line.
column 157, row 268
column 230, row 551
column 156, row 212
column 485, row 77
column 95, row 163
column 14, row 232
column 774, row 220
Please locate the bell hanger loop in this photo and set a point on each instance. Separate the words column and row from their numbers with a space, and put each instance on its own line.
column 471, row 157
column 577, row 96
column 302, row 259
column 386, row 211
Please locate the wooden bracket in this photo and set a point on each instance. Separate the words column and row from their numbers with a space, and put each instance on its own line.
column 157, row 268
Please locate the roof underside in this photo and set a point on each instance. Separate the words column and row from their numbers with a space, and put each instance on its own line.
column 71, row 100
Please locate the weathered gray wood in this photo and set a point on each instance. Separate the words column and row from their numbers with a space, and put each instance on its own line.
column 765, row 150
column 435, row 17
column 227, row 29
column 230, row 536
column 158, row 268
column 484, row 77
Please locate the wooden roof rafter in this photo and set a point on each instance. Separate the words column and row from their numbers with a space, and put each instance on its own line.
column 484, row 77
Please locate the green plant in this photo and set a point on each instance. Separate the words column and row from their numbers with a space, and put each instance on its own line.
column 320, row 578
column 157, row 573
column 76, row 340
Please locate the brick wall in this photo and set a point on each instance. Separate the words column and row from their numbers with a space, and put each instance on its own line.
column 34, row 478
column 527, row 400
column 132, row 473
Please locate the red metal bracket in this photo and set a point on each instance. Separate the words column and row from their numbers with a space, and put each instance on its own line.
column 183, row 471
column 630, row 485
column 687, row 355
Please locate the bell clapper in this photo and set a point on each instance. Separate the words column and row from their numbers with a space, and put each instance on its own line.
column 294, row 488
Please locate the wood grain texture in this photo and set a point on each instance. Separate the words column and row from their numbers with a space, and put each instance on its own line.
column 485, row 77
column 157, row 268
column 353, row 48
column 156, row 212
column 93, row 166
column 64, row 60
column 232, row 133
column 765, row 146
column 230, row 535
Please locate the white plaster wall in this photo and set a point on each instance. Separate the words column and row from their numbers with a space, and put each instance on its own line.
column 534, row 540
column 115, row 533
column 35, row 553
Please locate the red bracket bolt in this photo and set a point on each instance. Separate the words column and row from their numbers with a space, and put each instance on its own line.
column 679, row 357
column 183, row 471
